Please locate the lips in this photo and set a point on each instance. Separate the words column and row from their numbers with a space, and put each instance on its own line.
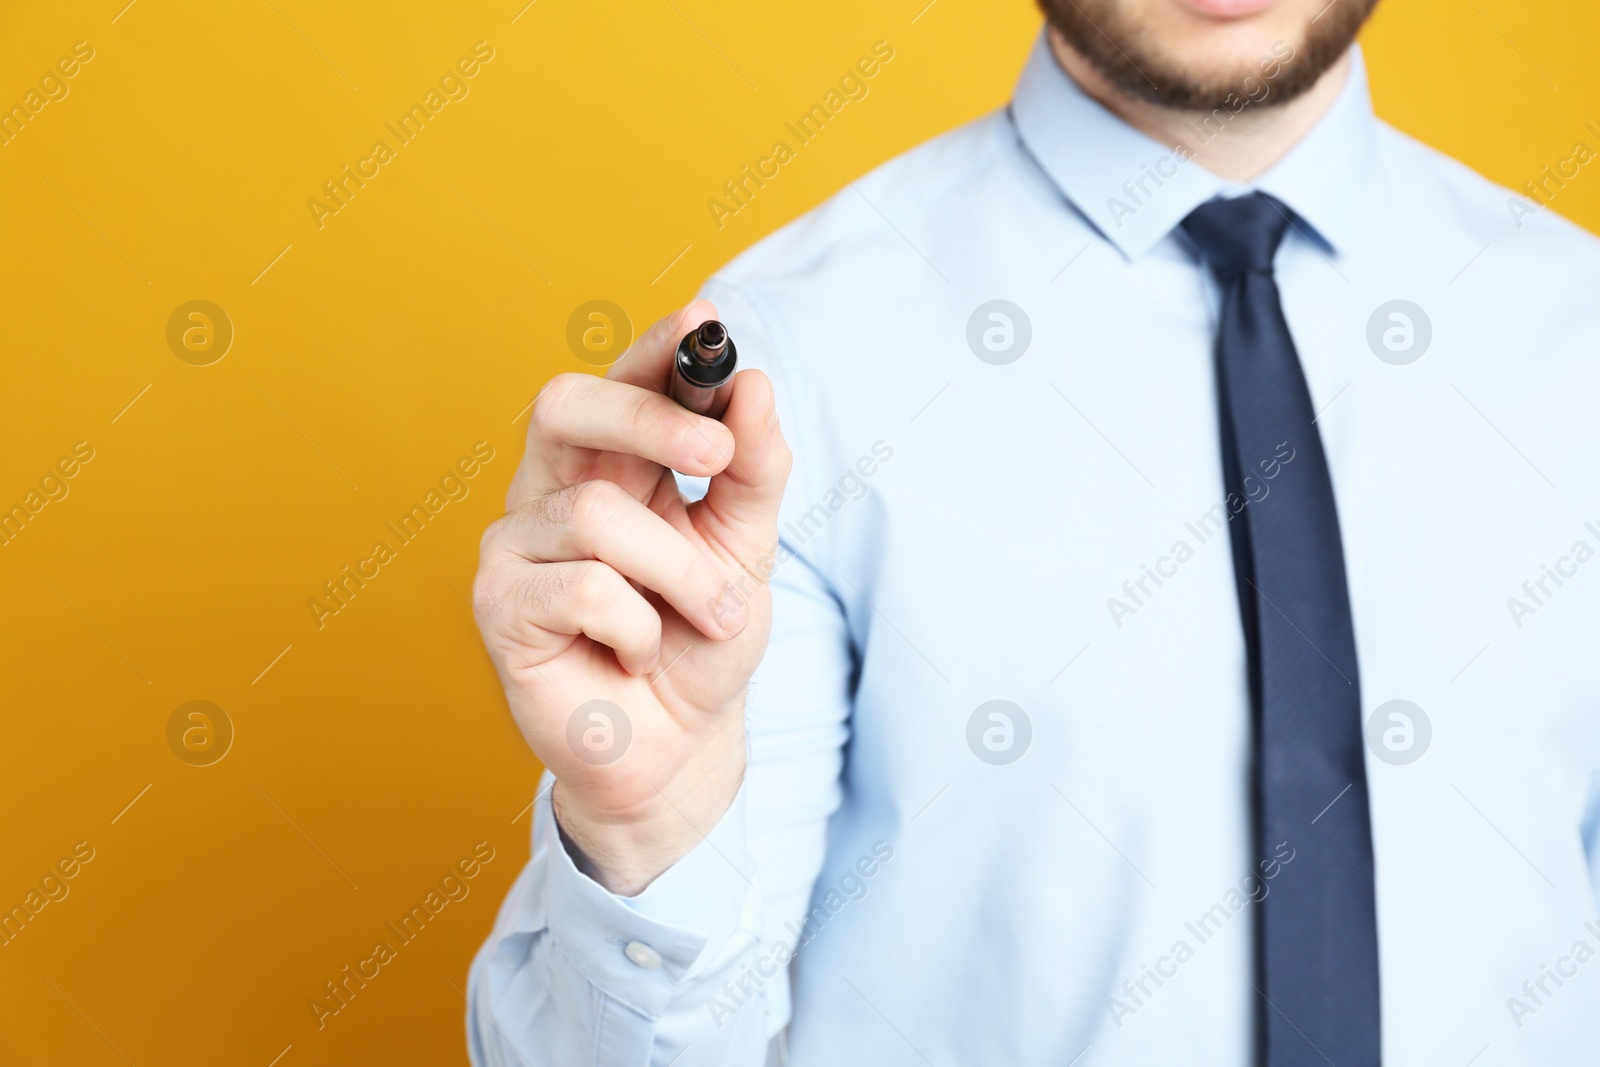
column 1227, row 9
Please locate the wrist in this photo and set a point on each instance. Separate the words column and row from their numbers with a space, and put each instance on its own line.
column 624, row 854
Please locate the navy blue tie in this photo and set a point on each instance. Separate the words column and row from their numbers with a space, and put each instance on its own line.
column 1316, row 931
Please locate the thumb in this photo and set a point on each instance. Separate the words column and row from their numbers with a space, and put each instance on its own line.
column 743, row 500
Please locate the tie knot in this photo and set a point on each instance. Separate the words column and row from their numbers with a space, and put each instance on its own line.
column 1240, row 235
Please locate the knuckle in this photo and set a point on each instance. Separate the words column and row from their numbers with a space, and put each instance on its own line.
column 543, row 590
column 553, row 508
column 648, row 629
column 594, row 505
column 700, row 576
column 552, row 398
column 488, row 594
column 592, row 590
column 642, row 410
column 492, row 535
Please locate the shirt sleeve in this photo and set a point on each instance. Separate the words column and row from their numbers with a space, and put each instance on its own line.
column 693, row 970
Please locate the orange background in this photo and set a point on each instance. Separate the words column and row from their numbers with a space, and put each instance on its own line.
column 372, row 754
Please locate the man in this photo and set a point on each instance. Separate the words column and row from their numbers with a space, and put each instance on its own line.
column 1172, row 634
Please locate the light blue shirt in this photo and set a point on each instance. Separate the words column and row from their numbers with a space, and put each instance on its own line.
column 1023, row 503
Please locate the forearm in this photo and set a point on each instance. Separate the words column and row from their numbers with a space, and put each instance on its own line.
column 574, row 973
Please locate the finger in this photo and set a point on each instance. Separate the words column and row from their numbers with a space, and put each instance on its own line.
column 600, row 520
column 646, row 365
column 744, row 498
column 648, row 361
column 582, row 411
column 585, row 597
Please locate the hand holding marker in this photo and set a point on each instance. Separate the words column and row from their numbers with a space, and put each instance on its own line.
column 604, row 592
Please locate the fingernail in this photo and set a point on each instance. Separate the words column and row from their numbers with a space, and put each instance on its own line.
column 704, row 448
column 734, row 624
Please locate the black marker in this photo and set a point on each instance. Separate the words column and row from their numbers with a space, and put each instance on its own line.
column 705, row 363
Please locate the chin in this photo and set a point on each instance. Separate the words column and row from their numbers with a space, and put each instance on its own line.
column 1191, row 53
column 1217, row 37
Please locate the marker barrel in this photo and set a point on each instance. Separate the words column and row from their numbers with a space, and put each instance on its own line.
column 703, row 369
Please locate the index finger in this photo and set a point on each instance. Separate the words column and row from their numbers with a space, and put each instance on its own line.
column 648, row 361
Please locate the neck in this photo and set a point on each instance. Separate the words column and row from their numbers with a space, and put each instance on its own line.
column 1252, row 141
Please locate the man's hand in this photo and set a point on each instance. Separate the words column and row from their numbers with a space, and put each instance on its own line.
column 625, row 623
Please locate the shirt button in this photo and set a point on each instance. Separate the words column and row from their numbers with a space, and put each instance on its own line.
column 642, row 955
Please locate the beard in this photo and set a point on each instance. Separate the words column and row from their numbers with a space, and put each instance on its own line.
column 1122, row 52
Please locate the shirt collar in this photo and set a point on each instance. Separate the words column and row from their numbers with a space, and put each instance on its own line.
column 1135, row 190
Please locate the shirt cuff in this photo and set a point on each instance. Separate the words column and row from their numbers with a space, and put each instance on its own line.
column 639, row 949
